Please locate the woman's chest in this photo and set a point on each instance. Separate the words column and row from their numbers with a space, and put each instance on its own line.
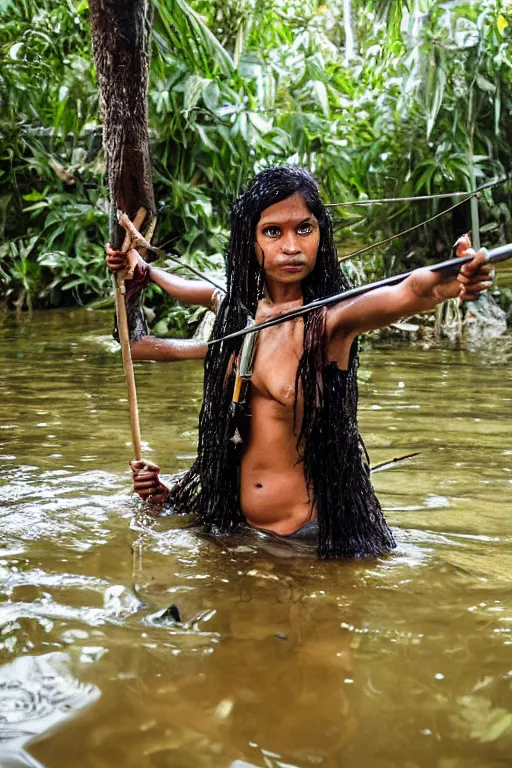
column 278, row 352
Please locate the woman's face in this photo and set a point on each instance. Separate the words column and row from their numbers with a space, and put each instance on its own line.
column 286, row 240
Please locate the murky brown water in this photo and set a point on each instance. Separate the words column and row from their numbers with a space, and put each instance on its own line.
column 280, row 660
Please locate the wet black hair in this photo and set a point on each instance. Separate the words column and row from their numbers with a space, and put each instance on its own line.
column 211, row 487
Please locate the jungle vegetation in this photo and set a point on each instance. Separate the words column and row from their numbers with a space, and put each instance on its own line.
column 378, row 98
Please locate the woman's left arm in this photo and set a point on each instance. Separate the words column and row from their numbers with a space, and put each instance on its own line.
column 421, row 291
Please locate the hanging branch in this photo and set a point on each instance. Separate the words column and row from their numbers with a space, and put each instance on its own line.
column 121, row 31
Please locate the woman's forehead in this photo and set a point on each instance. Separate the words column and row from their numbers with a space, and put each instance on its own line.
column 292, row 208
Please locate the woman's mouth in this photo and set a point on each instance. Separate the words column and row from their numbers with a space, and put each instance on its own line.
column 292, row 266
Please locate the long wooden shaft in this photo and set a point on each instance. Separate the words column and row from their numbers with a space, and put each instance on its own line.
column 124, row 338
column 496, row 255
column 124, row 335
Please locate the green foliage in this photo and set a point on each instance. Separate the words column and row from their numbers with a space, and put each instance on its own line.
column 423, row 106
column 53, row 219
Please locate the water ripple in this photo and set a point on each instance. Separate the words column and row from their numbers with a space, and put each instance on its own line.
column 36, row 694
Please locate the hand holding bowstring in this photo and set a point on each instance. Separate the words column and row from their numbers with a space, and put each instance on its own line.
column 139, row 241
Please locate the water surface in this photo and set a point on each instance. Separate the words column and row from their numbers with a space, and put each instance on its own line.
column 279, row 660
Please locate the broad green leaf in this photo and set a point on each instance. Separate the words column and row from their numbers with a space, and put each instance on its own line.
column 261, row 125
column 211, row 94
column 485, row 85
column 437, row 100
column 72, row 284
column 320, row 94
column 185, row 26
column 37, row 206
column 33, row 196
column 192, row 89
column 14, row 50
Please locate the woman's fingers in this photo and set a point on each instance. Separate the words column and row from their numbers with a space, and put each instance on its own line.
column 475, row 276
column 114, row 264
column 478, row 260
column 471, row 293
column 476, row 287
column 141, row 464
column 478, row 277
column 151, row 491
column 462, row 245
column 482, row 271
column 146, row 495
column 144, row 492
column 148, row 485
column 146, row 480
column 137, row 465
column 115, row 259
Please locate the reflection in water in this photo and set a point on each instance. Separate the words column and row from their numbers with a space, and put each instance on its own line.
column 274, row 658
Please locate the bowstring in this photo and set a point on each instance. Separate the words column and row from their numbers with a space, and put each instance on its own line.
column 468, row 196
column 438, row 196
column 406, row 231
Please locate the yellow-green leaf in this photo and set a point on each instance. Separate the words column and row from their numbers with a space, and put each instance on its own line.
column 502, row 24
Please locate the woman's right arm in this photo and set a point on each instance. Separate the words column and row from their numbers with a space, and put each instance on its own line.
column 180, row 288
column 189, row 291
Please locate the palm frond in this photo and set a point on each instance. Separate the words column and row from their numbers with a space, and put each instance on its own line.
column 391, row 12
column 180, row 29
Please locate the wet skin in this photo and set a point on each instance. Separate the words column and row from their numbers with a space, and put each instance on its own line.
column 181, row 289
column 273, row 490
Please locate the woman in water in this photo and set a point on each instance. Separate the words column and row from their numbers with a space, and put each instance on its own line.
column 290, row 460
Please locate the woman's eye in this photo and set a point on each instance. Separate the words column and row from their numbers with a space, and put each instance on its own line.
column 272, row 231
column 305, row 229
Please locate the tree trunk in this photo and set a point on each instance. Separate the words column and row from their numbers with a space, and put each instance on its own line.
column 121, row 34
column 121, row 31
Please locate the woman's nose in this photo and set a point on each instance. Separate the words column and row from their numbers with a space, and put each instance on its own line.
column 291, row 243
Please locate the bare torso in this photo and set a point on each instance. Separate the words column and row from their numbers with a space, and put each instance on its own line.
column 273, row 490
